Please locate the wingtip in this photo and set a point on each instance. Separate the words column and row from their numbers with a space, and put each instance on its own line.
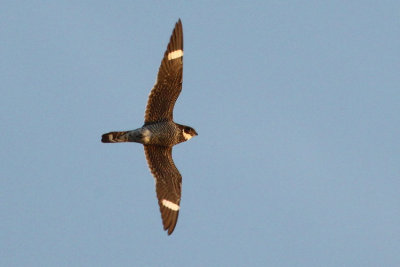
column 170, row 229
column 169, row 219
column 179, row 22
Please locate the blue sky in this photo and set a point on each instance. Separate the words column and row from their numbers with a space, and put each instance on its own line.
column 297, row 108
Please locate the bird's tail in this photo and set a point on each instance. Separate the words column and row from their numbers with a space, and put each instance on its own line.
column 115, row 137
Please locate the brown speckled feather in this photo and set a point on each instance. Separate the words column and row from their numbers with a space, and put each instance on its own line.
column 168, row 86
column 160, row 133
column 168, row 182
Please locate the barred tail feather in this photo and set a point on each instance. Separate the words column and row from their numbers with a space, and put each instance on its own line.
column 114, row 137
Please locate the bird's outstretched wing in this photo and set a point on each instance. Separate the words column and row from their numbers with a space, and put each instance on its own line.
column 168, row 183
column 168, row 86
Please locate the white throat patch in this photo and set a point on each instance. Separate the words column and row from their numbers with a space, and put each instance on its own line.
column 187, row 136
column 175, row 54
column 170, row 205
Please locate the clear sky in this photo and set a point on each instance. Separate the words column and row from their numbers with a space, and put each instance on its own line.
column 297, row 106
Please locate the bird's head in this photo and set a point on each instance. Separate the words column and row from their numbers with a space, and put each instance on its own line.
column 188, row 132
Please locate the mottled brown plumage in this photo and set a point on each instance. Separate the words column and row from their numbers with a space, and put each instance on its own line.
column 160, row 133
column 168, row 182
column 168, row 86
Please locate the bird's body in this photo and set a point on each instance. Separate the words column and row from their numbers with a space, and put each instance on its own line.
column 166, row 133
column 160, row 133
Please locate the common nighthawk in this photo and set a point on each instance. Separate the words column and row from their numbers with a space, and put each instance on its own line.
column 160, row 133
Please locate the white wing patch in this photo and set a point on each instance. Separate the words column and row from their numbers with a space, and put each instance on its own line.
column 170, row 205
column 175, row 54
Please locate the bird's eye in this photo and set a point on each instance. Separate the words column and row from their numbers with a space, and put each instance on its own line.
column 187, row 130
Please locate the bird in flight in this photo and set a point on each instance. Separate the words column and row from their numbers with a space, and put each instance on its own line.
column 160, row 133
